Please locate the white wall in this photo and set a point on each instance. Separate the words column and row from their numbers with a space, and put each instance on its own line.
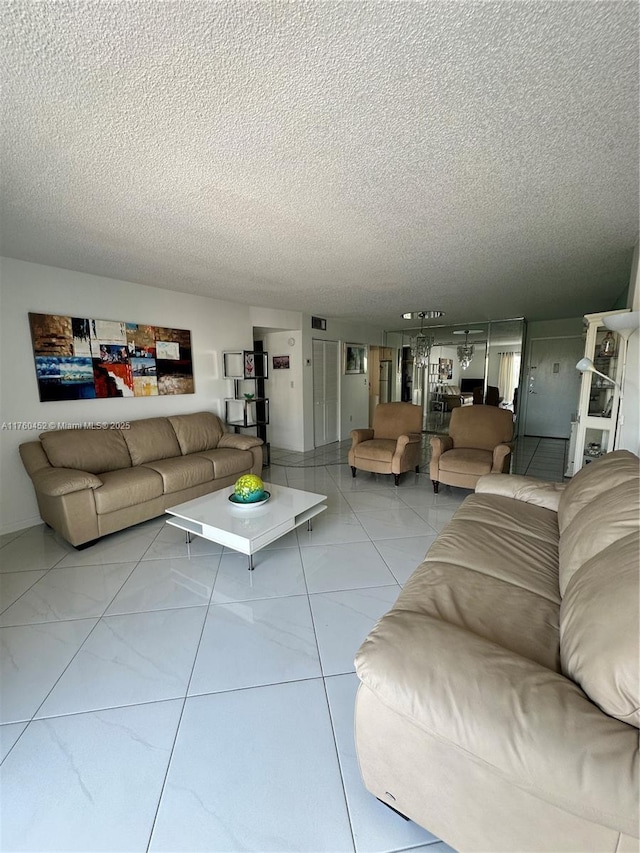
column 284, row 390
column 630, row 406
column 354, row 389
column 215, row 326
column 297, row 432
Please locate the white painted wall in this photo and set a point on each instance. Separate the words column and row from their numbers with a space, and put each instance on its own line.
column 297, row 433
column 630, row 406
column 215, row 326
column 354, row 389
column 284, row 390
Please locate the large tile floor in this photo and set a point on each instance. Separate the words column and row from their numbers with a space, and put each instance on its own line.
column 157, row 701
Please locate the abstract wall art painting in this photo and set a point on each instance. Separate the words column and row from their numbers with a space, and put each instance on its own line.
column 81, row 358
column 173, row 361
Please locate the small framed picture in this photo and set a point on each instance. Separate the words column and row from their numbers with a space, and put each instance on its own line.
column 355, row 358
column 249, row 365
column 281, row 362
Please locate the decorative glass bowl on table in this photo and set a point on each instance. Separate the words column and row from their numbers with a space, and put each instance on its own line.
column 249, row 491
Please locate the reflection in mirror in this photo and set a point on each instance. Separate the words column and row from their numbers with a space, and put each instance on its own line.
column 491, row 376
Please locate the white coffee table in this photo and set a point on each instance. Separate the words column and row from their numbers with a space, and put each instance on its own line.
column 246, row 528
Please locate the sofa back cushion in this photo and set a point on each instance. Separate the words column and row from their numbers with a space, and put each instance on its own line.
column 593, row 480
column 599, row 625
column 150, row 439
column 599, row 506
column 197, row 432
column 92, row 450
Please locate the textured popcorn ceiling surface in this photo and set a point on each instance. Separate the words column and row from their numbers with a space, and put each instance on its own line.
column 353, row 159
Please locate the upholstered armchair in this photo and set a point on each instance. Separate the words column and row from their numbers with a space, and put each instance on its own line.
column 393, row 445
column 477, row 444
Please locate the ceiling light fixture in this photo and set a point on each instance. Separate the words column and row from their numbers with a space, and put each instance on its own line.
column 421, row 344
column 422, row 315
column 465, row 351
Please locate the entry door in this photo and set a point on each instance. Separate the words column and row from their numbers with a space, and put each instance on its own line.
column 552, row 386
column 325, row 392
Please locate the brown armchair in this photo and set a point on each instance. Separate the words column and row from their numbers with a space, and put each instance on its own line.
column 393, row 445
column 477, row 444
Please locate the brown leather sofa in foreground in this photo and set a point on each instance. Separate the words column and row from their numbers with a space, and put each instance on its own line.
column 499, row 702
column 90, row 482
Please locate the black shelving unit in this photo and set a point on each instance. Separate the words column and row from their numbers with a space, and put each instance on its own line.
column 249, row 407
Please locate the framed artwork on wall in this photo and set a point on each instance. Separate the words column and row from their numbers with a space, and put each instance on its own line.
column 80, row 358
column 355, row 358
column 281, row 362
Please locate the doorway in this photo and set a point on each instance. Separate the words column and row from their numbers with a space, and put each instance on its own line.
column 551, row 386
column 325, row 392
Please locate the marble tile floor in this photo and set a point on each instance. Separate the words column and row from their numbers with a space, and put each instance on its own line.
column 157, row 701
column 545, row 458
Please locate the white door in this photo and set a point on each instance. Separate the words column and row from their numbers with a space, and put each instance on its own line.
column 552, row 386
column 325, row 392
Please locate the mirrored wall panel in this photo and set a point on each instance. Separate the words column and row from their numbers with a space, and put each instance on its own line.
column 442, row 367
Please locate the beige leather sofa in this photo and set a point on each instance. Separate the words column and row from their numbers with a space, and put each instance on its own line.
column 90, row 482
column 499, row 701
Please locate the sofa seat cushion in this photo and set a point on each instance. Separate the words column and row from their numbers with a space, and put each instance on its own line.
column 150, row 439
column 227, row 461
column 376, row 449
column 182, row 472
column 600, row 624
column 92, row 450
column 508, row 540
column 525, row 623
column 467, row 460
column 129, row 487
column 196, row 432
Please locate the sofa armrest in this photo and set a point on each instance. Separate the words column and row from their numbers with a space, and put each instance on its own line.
column 532, row 726
column 358, row 435
column 501, row 454
column 527, row 489
column 238, row 441
column 55, row 482
column 439, row 445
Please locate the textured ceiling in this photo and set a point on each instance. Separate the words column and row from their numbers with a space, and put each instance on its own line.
column 351, row 159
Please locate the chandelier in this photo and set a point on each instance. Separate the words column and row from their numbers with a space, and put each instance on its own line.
column 465, row 351
column 421, row 344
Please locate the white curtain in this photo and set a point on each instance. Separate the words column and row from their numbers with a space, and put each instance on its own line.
column 508, row 375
